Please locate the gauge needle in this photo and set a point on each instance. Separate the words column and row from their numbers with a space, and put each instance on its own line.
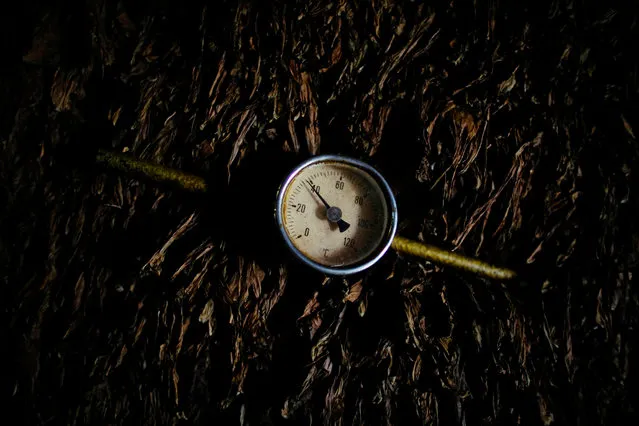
column 333, row 214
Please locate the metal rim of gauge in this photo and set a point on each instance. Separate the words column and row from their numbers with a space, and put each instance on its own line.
column 392, row 215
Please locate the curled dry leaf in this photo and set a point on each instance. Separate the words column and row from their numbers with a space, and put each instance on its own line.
column 354, row 292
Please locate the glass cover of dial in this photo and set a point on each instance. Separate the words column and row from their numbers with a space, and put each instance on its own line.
column 359, row 198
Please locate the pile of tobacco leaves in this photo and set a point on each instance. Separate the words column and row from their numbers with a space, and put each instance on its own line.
column 507, row 130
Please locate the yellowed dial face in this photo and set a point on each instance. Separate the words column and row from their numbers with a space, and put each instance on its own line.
column 335, row 214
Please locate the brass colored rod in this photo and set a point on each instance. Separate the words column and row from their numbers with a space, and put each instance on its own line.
column 152, row 171
column 448, row 258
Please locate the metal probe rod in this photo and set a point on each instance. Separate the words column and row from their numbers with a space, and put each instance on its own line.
column 152, row 171
column 193, row 183
column 444, row 257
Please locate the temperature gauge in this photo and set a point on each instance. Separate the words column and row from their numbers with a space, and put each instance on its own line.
column 337, row 214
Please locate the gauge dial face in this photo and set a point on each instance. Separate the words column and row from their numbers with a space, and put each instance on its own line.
column 336, row 214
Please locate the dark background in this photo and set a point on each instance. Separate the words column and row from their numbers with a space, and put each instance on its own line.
column 507, row 129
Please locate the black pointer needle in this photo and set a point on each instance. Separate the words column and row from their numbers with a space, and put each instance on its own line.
column 343, row 225
column 333, row 214
column 318, row 194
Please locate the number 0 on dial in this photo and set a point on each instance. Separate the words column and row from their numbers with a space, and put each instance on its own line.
column 336, row 214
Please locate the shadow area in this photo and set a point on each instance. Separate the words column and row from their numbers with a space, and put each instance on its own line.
column 241, row 210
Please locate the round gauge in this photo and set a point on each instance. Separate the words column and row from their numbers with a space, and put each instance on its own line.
column 337, row 214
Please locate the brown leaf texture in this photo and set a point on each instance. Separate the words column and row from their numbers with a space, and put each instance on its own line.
column 354, row 292
column 506, row 131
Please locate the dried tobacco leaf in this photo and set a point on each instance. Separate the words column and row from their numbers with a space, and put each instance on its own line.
column 506, row 130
